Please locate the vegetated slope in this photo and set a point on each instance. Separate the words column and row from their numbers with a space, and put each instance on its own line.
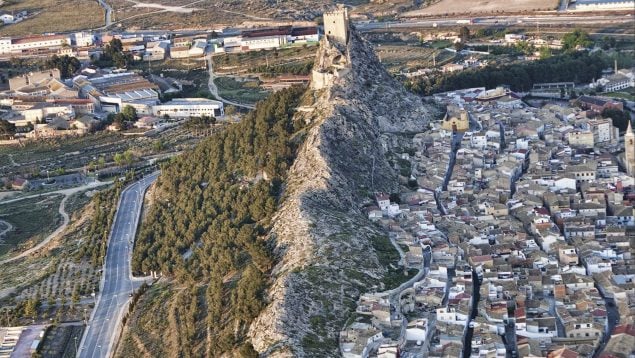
column 323, row 238
column 580, row 67
column 207, row 229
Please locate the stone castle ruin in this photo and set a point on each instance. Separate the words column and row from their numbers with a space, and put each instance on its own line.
column 333, row 61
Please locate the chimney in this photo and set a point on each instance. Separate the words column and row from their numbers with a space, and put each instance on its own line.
column 616, row 66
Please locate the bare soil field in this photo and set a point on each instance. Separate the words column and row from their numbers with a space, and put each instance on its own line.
column 457, row 7
column 175, row 14
column 52, row 16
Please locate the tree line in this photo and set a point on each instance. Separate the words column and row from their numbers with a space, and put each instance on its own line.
column 579, row 67
column 210, row 222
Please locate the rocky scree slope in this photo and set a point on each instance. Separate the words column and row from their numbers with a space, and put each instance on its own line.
column 323, row 238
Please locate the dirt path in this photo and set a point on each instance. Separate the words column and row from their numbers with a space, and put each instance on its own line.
column 169, row 8
column 61, row 210
column 9, row 227
column 44, row 242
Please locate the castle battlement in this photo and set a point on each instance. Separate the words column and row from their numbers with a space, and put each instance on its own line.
column 336, row 25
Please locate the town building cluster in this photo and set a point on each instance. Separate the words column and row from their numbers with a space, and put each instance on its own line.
column 521, row 231
column 42, row 104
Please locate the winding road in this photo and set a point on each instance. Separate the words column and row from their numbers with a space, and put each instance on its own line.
column 8, row 227
column 108, row 12
column 214, row 89
column 117, row 283
column 61, row 210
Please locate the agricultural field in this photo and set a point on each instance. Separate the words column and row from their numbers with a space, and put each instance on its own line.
column 59, row 155
column 237, row 63
column 240, row 90
column 52, row 16
column 407, row 51
column 471, row 7
column 57, row 283
column 628, row 94
column 176, row 14
column 409, row 58
column 32, row 220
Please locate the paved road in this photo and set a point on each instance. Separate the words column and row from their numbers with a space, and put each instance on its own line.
column 498, row 20
column 214, row 89
column 107, row 14
column 117, row 282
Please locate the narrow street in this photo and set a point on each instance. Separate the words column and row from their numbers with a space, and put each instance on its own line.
column 613, row 317
column 476, row 297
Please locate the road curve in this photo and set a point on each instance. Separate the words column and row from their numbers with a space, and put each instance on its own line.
column 117, row 282
column 44, row 242
column 107, row 13
column 8, row 228
column 67, row 193
column 213, row 89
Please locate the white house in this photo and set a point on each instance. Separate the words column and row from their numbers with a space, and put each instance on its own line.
column 383, row 201
column 83, row 39
column 564, row 183
column 417, row 330
column 7, row 18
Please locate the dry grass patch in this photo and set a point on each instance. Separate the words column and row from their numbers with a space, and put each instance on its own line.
column 484, row 6
column 53, row 16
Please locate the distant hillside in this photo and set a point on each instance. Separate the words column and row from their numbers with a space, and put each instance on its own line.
column 219, row 13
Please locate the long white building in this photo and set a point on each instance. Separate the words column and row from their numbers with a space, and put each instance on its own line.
column 17, row 45
column 269, row 38
column 189, row 107
column 594, row 5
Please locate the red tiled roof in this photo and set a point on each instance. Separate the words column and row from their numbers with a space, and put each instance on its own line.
column 37, row 39
column 624, row 328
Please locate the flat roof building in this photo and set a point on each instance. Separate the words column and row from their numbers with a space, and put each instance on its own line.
column 189, row 107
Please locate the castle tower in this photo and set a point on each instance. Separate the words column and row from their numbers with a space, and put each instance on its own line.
column 629, row 150
column 336, row 25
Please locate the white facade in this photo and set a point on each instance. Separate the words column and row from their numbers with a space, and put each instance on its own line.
column 7, row 18
column 602, row 130
column 39, row 42
column 83, row 39
column 189, row 107
column 31, row 115
column 5, row 45
column 592, row 5
column 258, row 43
column 478, row 141
column 565, row 183
column 416, row 334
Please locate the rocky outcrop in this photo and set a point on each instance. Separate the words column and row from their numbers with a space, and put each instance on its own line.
column 322, row 237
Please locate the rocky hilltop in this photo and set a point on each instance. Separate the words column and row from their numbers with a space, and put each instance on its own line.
column 360, row 116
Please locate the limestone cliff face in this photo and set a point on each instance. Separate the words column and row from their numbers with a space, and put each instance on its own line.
column 322, row 237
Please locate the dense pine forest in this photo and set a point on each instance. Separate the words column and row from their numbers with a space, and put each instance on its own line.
column 208, row 226
column 579, row 67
